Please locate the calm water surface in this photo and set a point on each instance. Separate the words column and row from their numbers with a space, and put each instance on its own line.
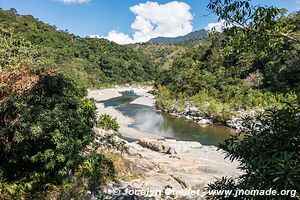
column 149, row 120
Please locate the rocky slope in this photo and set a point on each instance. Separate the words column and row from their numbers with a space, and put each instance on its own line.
column 168, row 167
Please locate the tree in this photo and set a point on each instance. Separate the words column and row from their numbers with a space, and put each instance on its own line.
column 28, row 41
column 260, row 39
column 269, row 154
column 45, row 124
column 254, row 19
column 15, row 51
column 268, row 151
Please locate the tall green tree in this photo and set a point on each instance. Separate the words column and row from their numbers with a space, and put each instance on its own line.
column 265, row 37
column 269, row 155
column 15, row 51
column 45, row 124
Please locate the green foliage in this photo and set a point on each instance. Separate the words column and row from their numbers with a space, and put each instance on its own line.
column 43, row 130
column 164, row 98
column 94, row 170
column 201, row 78
column 262, row 51
column 45, row 122
column 262, row 38
column 240, row 69
column 88, row 62
column 268, row 153
column 225, row 184
column 15, row 51
column 98, row 169
column 106, row 122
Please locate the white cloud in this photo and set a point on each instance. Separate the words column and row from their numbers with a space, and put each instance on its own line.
column 119, row 37
column 74, row 1
column 218, row 27
column 154, row 20
column 94, row 36
column 115, row 36
column 168, row 20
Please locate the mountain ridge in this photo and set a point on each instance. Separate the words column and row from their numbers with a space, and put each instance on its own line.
column 200, row 34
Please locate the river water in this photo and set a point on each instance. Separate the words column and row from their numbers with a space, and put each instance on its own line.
column 148, row 119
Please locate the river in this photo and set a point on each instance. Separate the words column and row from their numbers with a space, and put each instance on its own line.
column 148, row 119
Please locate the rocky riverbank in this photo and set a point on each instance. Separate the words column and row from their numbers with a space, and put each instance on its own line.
column 192, row 113
column 167, row 167
column 163, row 164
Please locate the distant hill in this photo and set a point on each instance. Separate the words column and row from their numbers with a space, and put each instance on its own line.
column 169, row 40
column 89, row 62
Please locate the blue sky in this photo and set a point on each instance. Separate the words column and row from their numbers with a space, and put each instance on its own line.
column 126, row 20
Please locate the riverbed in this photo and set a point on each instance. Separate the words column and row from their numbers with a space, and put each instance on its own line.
column 144, row 118
column 155, row 147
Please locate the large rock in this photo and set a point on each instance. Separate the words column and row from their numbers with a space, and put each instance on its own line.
column 167, row 146
column 204, row 121
column 177, row 165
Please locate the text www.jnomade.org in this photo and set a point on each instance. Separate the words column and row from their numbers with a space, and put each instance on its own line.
column 198, row 192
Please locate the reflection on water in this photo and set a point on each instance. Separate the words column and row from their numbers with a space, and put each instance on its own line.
column 149, row 120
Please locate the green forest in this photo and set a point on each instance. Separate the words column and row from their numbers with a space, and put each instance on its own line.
column 46, row 122
column 89, row 62
column 237, row 70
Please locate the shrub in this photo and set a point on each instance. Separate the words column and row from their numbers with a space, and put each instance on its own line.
column 164, row 98
column 268, row 154
column 98, row 169
column 45, row 123
column 106, row 122
column 201, row 99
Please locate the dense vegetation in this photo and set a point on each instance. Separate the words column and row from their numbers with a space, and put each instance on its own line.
column 47, row 144
column 253, row 65
column 90, row 62
column 239, row 70
column 48, row 147
column 268, row 154
column 46, row 128
column 164, row 55
column 268, row 149
column 106, row 122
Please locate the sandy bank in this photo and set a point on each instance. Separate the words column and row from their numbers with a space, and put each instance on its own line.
column 124, row 121
column 105, row 94
column 146, row 101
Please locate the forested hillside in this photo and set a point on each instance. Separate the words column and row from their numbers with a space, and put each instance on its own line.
column 239, row 70
column 163, row 55
column 91, row 62
column 48, row 145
